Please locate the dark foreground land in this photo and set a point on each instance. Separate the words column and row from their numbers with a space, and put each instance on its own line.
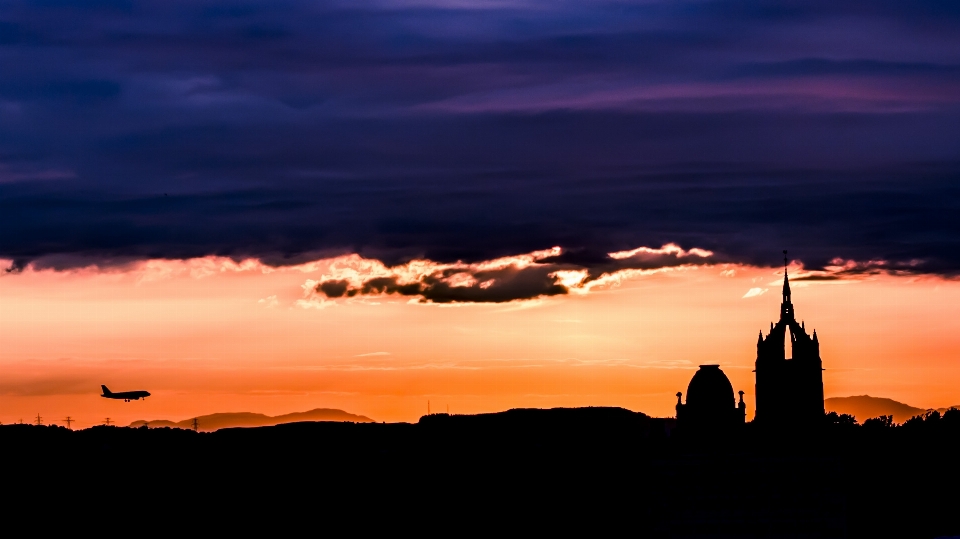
column 591, row 470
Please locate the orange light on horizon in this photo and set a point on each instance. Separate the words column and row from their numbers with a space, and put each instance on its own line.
column 213, row 335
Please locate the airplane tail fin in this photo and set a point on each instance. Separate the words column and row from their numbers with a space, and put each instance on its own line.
column 105, row 390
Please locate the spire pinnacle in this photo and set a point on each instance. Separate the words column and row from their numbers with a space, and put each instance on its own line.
column 786, row 308
column 786, row 279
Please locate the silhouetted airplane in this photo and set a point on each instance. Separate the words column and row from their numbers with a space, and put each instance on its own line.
column 127, row 396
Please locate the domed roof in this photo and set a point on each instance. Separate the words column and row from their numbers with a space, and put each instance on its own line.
column 710, row 388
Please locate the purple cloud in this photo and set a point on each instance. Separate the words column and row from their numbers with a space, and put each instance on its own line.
column 469, row 131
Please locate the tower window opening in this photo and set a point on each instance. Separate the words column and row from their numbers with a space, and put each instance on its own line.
column 787, row 343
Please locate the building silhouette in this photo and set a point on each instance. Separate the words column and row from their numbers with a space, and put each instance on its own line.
column 710, row 404
column 789, row 390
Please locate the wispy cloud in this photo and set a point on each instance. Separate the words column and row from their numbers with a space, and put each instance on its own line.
column 270, row 302
column 754, row 292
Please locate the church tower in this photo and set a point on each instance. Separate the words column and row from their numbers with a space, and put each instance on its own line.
column 789, row 390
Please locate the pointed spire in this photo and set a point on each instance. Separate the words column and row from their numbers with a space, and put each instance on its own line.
column 760, row 338
column 786, row 279
column 786, row 307
column 815, row 336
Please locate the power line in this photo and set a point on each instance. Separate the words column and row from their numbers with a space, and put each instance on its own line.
column 107, row 421
column 68, row 421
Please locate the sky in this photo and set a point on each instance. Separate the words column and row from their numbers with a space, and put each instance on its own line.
column 277, row 206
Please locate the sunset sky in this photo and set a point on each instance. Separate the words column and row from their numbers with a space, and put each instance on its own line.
column 365, row 205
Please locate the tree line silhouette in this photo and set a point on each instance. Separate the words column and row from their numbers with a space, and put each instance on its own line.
column 928, row 423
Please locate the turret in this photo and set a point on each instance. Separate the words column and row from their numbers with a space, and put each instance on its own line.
column 742, row 408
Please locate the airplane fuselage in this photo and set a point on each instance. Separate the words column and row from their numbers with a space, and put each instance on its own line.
column 125, row 396
column 128, row 395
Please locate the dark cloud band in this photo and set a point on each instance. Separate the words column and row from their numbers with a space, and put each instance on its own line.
column 292, row 130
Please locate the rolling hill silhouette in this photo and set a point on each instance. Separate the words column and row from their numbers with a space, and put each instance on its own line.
column 864, row 407
column 248, row 419
column 604, row 468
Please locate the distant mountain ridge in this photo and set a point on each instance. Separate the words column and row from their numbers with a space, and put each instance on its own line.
column 864, row 407
column 248, row 419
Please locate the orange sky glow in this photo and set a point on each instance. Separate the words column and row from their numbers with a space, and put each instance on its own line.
column 212, row 335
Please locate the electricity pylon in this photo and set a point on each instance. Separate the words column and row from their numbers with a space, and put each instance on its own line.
column 39, row 420
column 68, row 421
